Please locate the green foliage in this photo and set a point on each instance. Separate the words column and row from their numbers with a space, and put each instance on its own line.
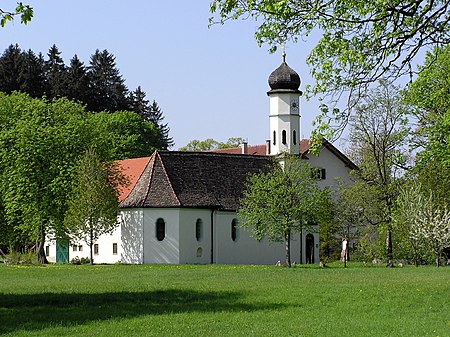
column 360, row 42
column 24, row 11
column 93, row 202
column 186, row 300
column 282, row 201
column 211, row 144
column 41, row 143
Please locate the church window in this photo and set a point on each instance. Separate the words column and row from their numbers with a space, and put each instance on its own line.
column 198, row 229
column 96, row 249
column 114, row 248
column 199, row 252
column 47, row 250
column 234, row 230
column 80, row 248
column 274, row 138
column 160, row 229
column 75, row 248
column 283, row 137
column 294, row 137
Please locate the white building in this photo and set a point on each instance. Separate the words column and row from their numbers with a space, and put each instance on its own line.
column 181, row 206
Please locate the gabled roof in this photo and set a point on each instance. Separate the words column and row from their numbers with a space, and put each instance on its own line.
column 304, row 150
column 193, row 179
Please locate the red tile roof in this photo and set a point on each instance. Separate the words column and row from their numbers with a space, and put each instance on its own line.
column 132, row 170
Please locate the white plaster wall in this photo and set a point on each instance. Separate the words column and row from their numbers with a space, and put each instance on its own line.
column 282, row 119
column 335, row 168
column 189, row 246
column 132, row 239
column 246, row 249
column 167, row 250
column 105, row 248
column 52, row 249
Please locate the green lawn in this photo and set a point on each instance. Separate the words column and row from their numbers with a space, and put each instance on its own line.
column 218, row 300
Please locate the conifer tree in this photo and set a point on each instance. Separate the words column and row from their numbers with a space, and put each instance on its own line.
column 77, row 80
column 107, row 89
column 156, row 116
column 32, row 76
column 11, row 63
column 55, row 73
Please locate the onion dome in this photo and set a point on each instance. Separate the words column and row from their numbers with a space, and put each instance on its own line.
column 284, row 79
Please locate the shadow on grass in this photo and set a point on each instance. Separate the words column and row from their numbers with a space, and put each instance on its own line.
column 39, row 311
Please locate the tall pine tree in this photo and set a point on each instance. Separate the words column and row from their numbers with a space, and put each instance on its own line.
column 77, row 80
column 32, row 76
column 55, row 73
column 11, row 63
column 107, row 89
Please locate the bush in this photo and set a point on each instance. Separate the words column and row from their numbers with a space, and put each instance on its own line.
column 77, row 261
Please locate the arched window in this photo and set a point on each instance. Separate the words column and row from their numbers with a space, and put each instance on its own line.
column 283, row 137
column 294, row 137
column 160, row 229
column 234, row 230
column 274, row 138
column 199, row 229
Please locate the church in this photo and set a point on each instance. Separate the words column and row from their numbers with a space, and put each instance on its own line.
column 180, row 207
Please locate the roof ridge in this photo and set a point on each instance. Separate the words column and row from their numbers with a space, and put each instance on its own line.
column 167, row 176
column 152, row 163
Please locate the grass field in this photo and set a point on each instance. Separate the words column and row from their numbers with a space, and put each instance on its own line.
column 218, row 300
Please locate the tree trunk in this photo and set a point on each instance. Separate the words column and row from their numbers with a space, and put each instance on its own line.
column 91, row 234
column 287, row 241
column 389, row 255
column 42, row 258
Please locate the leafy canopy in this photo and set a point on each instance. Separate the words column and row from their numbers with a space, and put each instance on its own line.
column 361, row 41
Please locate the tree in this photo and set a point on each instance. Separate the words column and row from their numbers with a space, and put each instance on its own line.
column 211, row 144
column 282, row 201
column 94, row 200
column 77, row 81
column 429, row 95
column 11, row 64
column 40, row 145
column 361, row 42
column 55, row 73
column 24, row 11
column 379, row 131
column 32, row 76
column 107, row 89
column 151, row 113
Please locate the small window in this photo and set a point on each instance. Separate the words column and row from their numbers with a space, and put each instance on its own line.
column 47, row 250
column 198, row 229
column 294, row 137
column 74, row 248
column 95, row 248
column 274, row 138
column 318, row 173
column 160, row 229
column 80, row 248
column 234, row 230
column 114, row 248
column 283, row 137
column 199, row 252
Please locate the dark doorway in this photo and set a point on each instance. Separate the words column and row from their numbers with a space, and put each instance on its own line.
column 309, row 249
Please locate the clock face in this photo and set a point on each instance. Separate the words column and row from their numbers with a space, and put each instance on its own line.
column 294, row 105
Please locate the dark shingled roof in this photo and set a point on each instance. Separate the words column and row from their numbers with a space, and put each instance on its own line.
column 194, row 179
column 284, row 79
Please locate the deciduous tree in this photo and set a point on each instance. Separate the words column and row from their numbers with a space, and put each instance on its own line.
column 360, row 43
column 282, row 201
column 93, row 202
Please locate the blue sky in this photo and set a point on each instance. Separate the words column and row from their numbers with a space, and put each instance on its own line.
column 209, row 82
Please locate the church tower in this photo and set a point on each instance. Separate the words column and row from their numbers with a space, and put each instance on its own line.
column 284, row 114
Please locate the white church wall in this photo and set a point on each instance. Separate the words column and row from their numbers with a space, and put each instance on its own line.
column 167, row 249
column 50, row 249
column 132, row 239
column 193, row 250
column 246, row 249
